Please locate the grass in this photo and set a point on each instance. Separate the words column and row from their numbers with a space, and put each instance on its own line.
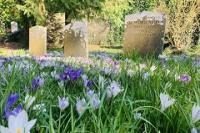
column 140, row 94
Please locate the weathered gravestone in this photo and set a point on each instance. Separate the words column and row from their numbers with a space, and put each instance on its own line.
column 76, row 39
column 38, row 40
column 144, row 33
column 14, row 26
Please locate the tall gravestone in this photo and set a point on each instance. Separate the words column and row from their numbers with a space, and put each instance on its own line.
column 14, row 26
column 38, row 41
column 76, row 39
column 144, row 33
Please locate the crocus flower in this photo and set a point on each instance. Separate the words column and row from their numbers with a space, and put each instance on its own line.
column 185, row 78
column 8, row 111
column 29, row 101
column 55, row 75
column 146, row 75
column 18, row 124
column 93, row 99
column 63, row 103
column 86, row 82
column 114, row 89
column 37, row 82
column 194, row 130
column 137, row 116
column 63, row 77
column 12, row 99
column 90, row 93
column 74, row 74
column 142, row 66
column 195, row 113
column 153, row 68
column 166, row 101
column 81, row 106
column 130, row 73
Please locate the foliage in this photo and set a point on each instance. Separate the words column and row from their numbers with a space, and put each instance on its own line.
column 74, row 9
column 35, row 9
column 113, row 12
column 8, row 14
column 142, row 5
column 181, row 21
column 136, row 109
column 54, row 31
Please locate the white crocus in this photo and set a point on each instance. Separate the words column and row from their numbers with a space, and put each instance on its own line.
column 166, row 101
column 18, row 124
column 29, row 101
column 63, row 103
column 195, row 113
column 153, row 68
column 81, row 106
column 114, row 89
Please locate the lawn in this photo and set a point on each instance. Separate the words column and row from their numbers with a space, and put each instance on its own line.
column 106, row 93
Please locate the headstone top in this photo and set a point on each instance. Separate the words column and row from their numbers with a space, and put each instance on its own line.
column 38, row 27
column 14, row 26
column 147, row 16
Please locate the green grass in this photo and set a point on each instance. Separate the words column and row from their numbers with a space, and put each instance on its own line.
column 116, row 114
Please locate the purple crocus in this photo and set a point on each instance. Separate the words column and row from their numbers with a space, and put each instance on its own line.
column 63, row 77
column 73, row 74
column 185, row 78
column 12, row 99
column 63, row 103
column 37, row 82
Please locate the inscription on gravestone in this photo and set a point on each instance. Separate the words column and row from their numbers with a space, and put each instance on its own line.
column 76, row 40
column 38, row 40
column 144, row 32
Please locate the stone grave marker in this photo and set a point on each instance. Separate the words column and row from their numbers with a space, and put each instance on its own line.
column 76, row 39
column 14, row 26
column 38, row 40
column 144, row 33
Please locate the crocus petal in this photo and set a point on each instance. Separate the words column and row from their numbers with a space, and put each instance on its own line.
column 194, row 130
column 195, row 113
column 29, row 125
column 21, row 119
column 4, row 130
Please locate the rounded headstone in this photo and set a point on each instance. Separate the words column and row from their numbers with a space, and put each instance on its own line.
column 38, row 41
column 144, row 33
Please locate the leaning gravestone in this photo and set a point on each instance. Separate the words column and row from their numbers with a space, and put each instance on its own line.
column 14, row 27
column 38, row 40
column 144, row 33
column 76, row 39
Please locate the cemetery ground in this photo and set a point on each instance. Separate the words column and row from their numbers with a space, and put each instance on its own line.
column 103, row 93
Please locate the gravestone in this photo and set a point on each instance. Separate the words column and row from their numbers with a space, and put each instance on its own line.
column 14, row 26
column 76, row 39
column 144, row 33
column 38, row 40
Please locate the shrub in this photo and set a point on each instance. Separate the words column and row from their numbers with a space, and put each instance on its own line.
column 181, row 23
column 54, row 30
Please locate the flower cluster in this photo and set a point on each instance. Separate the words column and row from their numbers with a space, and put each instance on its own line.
column 71, row 74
